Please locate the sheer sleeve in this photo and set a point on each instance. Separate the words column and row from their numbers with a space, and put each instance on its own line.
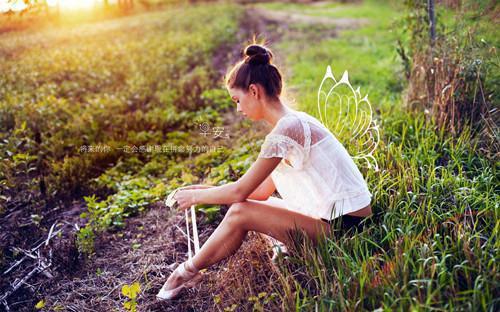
column 287, row 140
column 276, row 145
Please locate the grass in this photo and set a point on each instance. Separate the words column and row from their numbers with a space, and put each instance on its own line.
column 129, row 81
column 432, row 243
column 368, row 53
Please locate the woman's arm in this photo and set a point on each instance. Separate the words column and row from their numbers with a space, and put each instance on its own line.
column 232, row 192
column 264, row 190
column 195, row 187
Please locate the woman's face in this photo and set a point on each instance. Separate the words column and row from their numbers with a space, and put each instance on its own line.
column 246, row 102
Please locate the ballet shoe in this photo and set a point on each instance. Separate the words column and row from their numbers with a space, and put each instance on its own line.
column 190, row 279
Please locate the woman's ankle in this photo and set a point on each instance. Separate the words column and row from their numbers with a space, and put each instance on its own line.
column 189, row 266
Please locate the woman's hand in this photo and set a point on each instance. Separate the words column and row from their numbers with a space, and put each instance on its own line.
column 185, row 198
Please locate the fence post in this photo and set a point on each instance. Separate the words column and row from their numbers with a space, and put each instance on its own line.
column 432, row 21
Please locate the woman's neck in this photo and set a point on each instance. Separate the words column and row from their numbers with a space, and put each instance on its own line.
column 275, row 112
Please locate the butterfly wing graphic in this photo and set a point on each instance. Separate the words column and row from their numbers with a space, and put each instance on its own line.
column 349, row 116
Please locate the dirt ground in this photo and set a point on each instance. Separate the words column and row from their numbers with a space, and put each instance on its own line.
column 143, row 252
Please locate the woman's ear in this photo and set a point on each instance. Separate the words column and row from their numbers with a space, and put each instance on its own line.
column 254, row 90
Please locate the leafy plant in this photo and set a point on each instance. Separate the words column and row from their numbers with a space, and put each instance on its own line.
column 131, row 292
column 85, row 240
column 261, row 300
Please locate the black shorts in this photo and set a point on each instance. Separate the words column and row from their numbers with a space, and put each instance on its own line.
column 345, row 223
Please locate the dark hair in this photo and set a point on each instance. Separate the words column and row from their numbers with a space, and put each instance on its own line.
column 256, row 67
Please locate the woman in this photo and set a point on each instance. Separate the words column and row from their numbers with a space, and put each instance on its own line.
column 314, row 174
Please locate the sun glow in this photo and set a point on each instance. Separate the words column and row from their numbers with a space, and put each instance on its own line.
column 73, row 4
column 15, row 6
column 20, row 5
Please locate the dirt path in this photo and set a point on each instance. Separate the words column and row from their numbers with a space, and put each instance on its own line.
column 150, row 243
column 143, row 252
column 283, row 18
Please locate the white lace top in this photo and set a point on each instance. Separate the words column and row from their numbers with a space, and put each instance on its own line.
column 316, row 172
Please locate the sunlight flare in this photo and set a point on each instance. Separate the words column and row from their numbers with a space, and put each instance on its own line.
column 73, row 4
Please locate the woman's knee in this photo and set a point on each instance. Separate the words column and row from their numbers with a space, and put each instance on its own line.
column 236, row 215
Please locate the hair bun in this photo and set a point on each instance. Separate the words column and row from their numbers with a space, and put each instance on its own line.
column 257, row 55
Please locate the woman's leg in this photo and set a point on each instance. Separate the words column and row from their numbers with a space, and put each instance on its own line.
column 270, row 217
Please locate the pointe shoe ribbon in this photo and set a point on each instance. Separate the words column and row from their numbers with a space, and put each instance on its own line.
column 190, row 279
column 172, row 203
